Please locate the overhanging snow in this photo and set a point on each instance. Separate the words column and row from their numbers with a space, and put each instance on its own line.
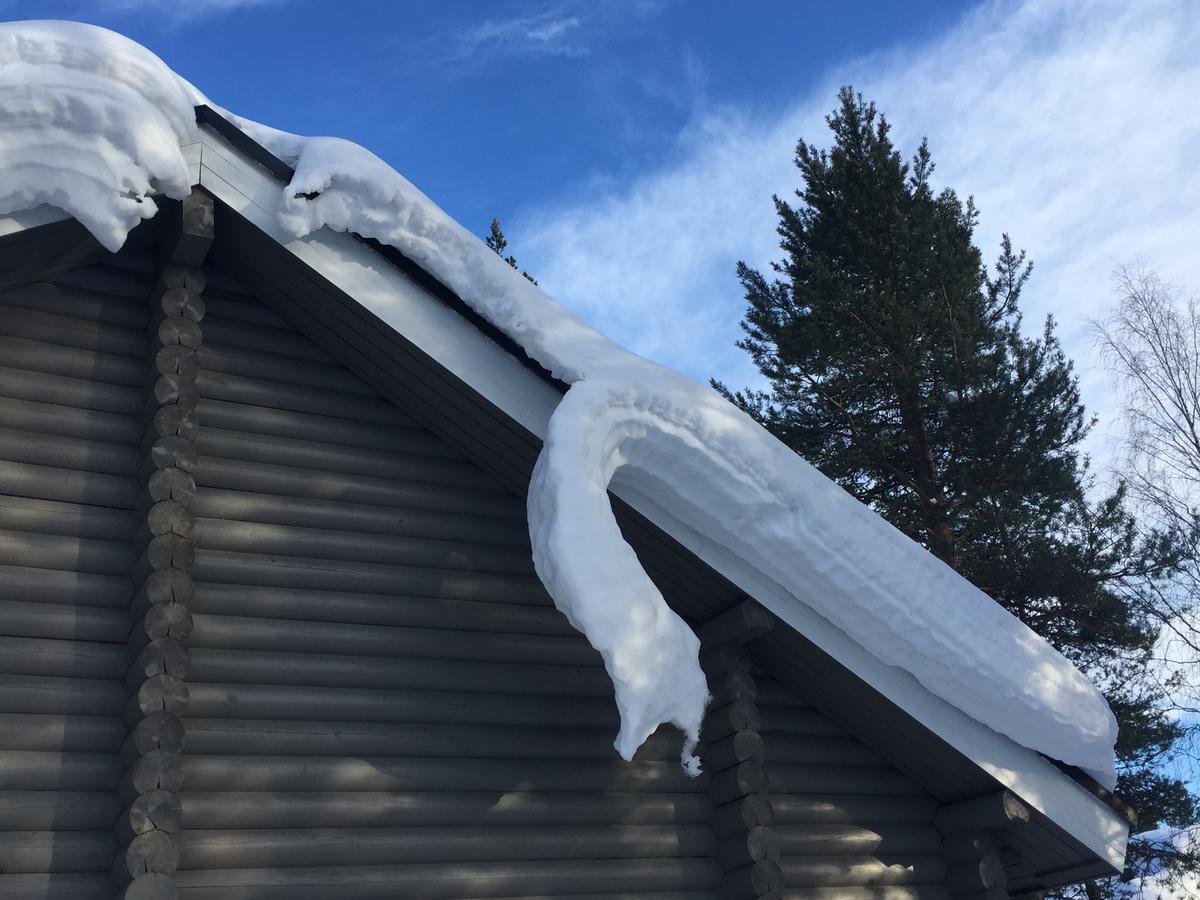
column 92, row 123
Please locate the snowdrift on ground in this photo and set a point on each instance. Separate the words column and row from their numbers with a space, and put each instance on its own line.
column 92, row 123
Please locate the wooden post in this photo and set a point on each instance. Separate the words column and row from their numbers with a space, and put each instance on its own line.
column 162, row 575
column 749, row 847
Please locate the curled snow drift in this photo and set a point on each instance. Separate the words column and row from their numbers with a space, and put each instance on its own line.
column 93, row 123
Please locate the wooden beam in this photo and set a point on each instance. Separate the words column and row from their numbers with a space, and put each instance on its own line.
column 189, row 230
column 998, row 810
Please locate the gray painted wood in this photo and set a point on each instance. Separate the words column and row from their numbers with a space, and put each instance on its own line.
column 70, row 395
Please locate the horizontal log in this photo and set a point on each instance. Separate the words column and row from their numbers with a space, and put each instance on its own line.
column 158, row 770
column 259, row 773
column 741, row 623
column 48, row 695
column 732, row 686
column 447, row 741
column 155, row 810
column 763, row 878
column 153, row 886
column 45, row 364
column 69, row 421
column 64, row 621
column 161, row 656
column 852, row 840
column 795, row 720
column 397, row 437
column 336, row 458
column 164, row 551
column 39, row 770
column 171, row 451
column 244, row 633
column 30, row 731
column 187, row 304
column 256, row 363
column 287, row 343
column 480, row 879
column 162, row 586
column 300, row 847
column 743, row 814
column 171, row 390
column 168, row 517
column 67, row 519
column 760, row 842
column 69, row 659
column 434, row 674
column 172, row 484
column 278, row 395
column 741, row 780
column 86, row 455
column 79, row 391
column 723, row 721
column 864, row 810
column 998, row 810
column 157, row 731
column 68, row 485
column 80, row 303
column 64, row 588
column 154, row 852
column 497, row 810
column 66, row 330
column 176, row 359
column 161, row 620
column 722, row 658
column 58, row 886
column 239, row 475
column 973, row 845
column 380, row 609
column 857, row 871
column 815, row 749
column 159, row 692
column 772, row 693
column 177, row 329
column 174, row 419
column 60, row 811
column 52, row 551
column 275, row 702
column 786, row 778
column 730, row 751
column 330, row 515
column 981, row 875
column 55, row 851
column 350, row 546
column 249, row 569
column 183, row 278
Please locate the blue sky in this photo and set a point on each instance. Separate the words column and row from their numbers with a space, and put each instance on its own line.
column 631, row 147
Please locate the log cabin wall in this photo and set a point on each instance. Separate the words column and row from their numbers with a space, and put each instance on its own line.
column 72, row 370
column 849, row 825
column 379, row 698
column 383, row 701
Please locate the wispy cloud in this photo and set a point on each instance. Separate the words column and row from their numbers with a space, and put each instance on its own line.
column 551, row 32
column 562, row 28
column 1072, row 124
column 178, row 12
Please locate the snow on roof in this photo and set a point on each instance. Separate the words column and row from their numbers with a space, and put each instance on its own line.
column 92, row 123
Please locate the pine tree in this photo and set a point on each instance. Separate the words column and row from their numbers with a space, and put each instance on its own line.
column 898, row 366
column 498, row 244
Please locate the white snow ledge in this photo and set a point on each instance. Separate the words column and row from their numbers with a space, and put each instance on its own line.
column 95, row 125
